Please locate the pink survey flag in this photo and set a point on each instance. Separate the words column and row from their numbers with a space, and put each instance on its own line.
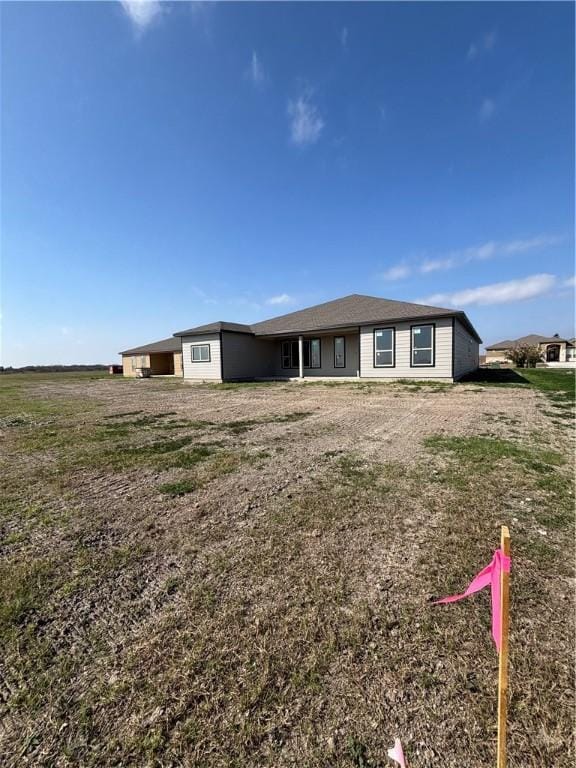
column 397, row 753
column 488, row 576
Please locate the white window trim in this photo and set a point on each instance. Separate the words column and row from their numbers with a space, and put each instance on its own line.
column 200, row 347
column 390, row 349
column 432, row 348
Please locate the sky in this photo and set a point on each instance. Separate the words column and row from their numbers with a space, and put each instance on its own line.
column 170, row 164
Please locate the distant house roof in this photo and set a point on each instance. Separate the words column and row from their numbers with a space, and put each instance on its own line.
column 531, row 340
column 348, row 311
column 166, row 345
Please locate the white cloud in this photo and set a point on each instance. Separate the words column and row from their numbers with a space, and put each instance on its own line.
column 481, row 46
column 472, row 52
column 344, row 37
column 256, row 70
column 397, row 272
column 142, row 12
column 305, row 122
column 570, row 282
column 486, row 110
column 202, row 295
column 490, row 40
column 497, row 293
column 488, row 250
column 521, row 246
column 282, row 298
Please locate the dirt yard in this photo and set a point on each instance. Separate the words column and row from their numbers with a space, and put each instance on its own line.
column 242, row 575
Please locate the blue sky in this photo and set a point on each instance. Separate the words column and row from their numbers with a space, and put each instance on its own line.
column 166, row 165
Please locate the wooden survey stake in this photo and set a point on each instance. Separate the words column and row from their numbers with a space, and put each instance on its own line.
column 503, row 657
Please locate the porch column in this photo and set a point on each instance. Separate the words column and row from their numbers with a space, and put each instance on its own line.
column 301, row 356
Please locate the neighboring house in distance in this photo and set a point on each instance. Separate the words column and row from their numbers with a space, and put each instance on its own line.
column 352, row 337
column 161, row 358
column 556, row 352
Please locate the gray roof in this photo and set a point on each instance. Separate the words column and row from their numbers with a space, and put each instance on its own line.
column 530, row 340
column 165, row 345
column 348, row 311
column 215, row 328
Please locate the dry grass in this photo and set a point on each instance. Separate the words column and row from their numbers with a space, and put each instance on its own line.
column 242, row 576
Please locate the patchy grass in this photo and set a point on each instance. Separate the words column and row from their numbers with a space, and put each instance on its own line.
column 486, row 449
column 235, row 386
column 245, row 425
column 561, row 382
column 208, row 588
column 557, row 381
column 180, row 488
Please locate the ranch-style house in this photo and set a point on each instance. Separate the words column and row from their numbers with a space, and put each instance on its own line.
column 353, row 337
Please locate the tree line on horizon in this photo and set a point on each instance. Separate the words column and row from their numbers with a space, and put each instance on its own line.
column 52, row 368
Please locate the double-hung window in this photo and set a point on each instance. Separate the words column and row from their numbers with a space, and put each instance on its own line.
column 384, row 347
column 422, row 345
column 339, row 352
column 200, row 353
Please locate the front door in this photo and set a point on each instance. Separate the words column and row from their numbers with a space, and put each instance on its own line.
column 553, row 353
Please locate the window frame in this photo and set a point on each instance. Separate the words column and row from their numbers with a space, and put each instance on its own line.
column 343, row 352
column 200, row 346
column 316, row 338
column 570, row 354
column 296, row 357
column 283, row 356
column 393, row 349
column 432, row 348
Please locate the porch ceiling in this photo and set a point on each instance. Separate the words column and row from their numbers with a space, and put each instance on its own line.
column 311, row 334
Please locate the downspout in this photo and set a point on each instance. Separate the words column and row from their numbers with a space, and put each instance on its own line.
column 301, row 356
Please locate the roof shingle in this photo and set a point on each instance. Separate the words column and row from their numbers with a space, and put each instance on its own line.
column 165, row 345
column 221, row 325
column 348, row 311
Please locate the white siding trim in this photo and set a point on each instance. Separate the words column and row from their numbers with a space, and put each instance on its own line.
column 210, row 371
column 403, row 370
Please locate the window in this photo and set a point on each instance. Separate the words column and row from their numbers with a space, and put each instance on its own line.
column 570, row 353
column 384, row 347
column 290, row 354
column 200, row 353
column 422, row 345
column 311, row 354
column 339, row 352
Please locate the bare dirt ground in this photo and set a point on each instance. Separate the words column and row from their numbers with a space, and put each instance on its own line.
column 200, row 575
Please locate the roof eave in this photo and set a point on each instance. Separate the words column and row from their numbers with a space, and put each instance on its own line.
column 373, row 321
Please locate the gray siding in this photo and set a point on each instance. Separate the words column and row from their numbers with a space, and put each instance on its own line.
column 403, row 370
column 326, row 358
column 466, row 351
column 246, row 357
column 202, row 371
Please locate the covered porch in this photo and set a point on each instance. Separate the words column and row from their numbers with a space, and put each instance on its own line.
column 161, row 358
column 327, row 354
